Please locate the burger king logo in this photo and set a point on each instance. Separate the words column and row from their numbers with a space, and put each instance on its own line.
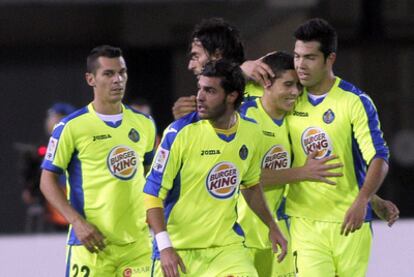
column 315, row 139
column 276, row 158
column 222, row 180
column 122, row 162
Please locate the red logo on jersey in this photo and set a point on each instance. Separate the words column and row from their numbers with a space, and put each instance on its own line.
column 315, row 139
column 127, row 272
column 122, row 162
column 222, row 180
column 276, row 158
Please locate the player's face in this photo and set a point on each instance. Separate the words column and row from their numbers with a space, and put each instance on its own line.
column 284, row 91
column 198, row 57
column 211, row 98
column 109, row 80
column 310, row 64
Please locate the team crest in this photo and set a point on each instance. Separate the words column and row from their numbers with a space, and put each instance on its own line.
column 328, row 116
column 276, row 158
column 316, row 139
column 133, row 135
column 243, row 152
column 122, row 162
column 222, row 180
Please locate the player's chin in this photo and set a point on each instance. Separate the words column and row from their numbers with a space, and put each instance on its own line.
column 202, row 115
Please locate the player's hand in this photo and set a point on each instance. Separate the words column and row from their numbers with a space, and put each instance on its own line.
column 184, row 105
column 278, row 241
column 319, row 171
column 89, row 235
column 354, row 217
column 258, row 71
column 385, row 210
column 170, row 261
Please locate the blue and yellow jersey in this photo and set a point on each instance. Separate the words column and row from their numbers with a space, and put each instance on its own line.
column 344, row 123
column 197, row 174
column 252, row 91
column 105, row 170
column 275, row 154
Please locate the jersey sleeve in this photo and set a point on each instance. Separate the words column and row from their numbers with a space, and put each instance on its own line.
column 367, row 134
column 59, row 150
column 165, row 166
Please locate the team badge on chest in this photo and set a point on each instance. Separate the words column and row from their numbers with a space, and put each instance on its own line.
column 243, row 152
column 222, row 180
column 328, row 116
column 133, row 135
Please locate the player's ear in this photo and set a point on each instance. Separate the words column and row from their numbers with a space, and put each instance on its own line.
column 90, row 79
column 231, row 97
column 217, row 55
column 331, row 59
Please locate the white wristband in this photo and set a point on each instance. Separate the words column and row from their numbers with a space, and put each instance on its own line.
column 163, row 240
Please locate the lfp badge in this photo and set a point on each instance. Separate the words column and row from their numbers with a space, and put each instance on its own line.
column 222, row 180
column 122, row 162
column 316, row 139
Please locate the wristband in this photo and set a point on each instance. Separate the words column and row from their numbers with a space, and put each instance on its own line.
column 163, row 240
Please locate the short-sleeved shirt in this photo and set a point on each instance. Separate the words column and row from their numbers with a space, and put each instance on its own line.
column 104, row 166
column 198, row 173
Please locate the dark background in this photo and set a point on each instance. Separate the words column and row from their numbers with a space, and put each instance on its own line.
column 43, row 46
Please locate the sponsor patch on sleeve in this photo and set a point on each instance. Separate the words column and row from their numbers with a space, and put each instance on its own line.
column 161, row 160
column 51, row 149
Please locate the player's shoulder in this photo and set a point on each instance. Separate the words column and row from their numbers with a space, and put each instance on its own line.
column 248, row 107
column 73, row 120
column 348, row 89
column 180, row 126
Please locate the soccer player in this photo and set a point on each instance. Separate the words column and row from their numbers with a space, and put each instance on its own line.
column 194, row 183
column 103, row 148
column 330, row 225
column 214, row 39
column 269, row 112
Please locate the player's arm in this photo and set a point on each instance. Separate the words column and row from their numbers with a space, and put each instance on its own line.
column 169, row 258
column 355, row 215
column 366, row 128
column 87, row 233
column 183, row 106
column 256, row 201
column 313, row 170
column 385, row 209
column 258, row 71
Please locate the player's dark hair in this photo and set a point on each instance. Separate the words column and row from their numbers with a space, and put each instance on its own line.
column 106, row 51
column 230, row 75
column 215, row 34
column 279, row 62
column 319, row 30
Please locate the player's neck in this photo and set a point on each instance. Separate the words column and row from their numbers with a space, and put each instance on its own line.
column 324, row 86
column 107, row 108
column 271, row 108
column 226, row 121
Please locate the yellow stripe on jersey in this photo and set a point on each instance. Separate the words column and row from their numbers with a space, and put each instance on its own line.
column 151, row 202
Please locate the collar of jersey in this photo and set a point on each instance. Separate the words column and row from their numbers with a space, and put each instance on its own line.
column 228, row 134
column 278, row 122
column 108, row 123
